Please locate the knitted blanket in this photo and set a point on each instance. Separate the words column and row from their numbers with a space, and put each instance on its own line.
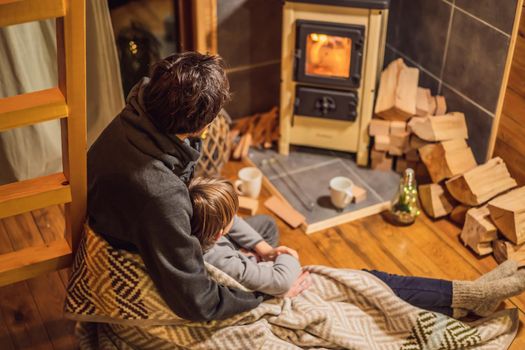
column 119, row 307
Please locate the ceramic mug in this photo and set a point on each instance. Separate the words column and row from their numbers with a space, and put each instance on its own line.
column 341, row 191
column 249, row 183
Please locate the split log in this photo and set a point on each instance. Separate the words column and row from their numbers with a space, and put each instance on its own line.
column 416, row 142
column 284, row 211
column 401, row 165
column 380, row 161
column 396, row 98
column 504, row 250
column 398, row 127
column 479, row 231
column 432, row 106
column 508, row 213
column 248, row 205
column 482, row 183
column 422, row 101
column 382, row 143
column 379, row 127
column 359, row 194
column 440, row 128
column 435, row 200
column 441, row 105
column 447, row 159
column 457, row 215
column 412, row 155
column 398, row 143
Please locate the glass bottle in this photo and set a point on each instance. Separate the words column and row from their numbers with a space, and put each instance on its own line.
column 405, row 207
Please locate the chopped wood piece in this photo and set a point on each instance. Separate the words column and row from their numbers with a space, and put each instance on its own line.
column 435, row 200
column 248, row 205
column 401, row 165
column 423, row 97
column 359, row 194
column 381, row 161
column 440, row 128
column 504, row 250
column 284, row 211
column 396, row 98
column 379, row 127
column 422, row 175
column 457, row 215
column 412, row 155
column 441, row 105
column 398, row 143
column 482, row 183
column 447, row 159
column 479, row 230
column 382, row 143
column 508, row 213
column 416, row 142
column 432, row 105
column 398, row 127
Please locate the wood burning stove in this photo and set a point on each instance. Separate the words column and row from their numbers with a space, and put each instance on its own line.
column 331, row 56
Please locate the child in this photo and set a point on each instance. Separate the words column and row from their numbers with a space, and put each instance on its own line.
column 232, row 245
column 215, row 204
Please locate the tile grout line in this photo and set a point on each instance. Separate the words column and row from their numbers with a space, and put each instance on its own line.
column 445, row 52
column 413, row 62
column 457, row 92
column 278, row 176
column 252, row 66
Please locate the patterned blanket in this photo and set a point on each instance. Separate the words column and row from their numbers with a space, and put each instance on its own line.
column 118, row 307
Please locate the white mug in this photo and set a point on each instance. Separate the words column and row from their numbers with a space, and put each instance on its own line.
column 249, row 183
column 341, row 191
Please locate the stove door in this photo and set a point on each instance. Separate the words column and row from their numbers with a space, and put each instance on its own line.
column 329, row 53
column 325, row 103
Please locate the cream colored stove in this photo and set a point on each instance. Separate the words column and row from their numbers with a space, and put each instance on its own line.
column 332, row 53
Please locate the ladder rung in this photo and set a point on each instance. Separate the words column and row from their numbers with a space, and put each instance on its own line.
column 23, row 196
column 32, row 108
column 33, row 261
column 21, row 11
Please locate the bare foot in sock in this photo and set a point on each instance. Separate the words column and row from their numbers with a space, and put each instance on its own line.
column 484, row 297
column 506, row 269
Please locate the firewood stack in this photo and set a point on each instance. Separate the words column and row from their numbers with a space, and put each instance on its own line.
column 413, row 129
column 259, row 130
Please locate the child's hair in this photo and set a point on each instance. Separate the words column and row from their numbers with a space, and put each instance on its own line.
column 215, row 203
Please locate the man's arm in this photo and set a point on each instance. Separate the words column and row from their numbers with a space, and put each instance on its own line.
column 273, row 279
column 174, row 261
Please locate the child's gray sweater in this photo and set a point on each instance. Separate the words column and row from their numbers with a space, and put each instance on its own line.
column 271, row 278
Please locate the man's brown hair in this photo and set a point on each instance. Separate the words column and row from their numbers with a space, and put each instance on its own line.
column 214, row 204
column 186, row 91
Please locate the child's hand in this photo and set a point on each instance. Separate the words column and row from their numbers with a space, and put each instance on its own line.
column 302, row 283
column 286, row 250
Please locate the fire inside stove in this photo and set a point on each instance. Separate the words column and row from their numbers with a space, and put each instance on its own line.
column 328, row 55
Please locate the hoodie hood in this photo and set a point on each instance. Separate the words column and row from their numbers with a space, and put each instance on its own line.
column 180, row 156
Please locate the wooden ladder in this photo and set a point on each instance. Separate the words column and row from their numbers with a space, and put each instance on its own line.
column 66, row 102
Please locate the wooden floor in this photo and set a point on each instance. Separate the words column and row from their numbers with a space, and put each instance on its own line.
column 31, row 311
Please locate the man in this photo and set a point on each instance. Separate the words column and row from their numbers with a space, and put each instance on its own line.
column 138, row 170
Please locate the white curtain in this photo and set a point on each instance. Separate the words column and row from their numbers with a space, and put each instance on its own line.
column 28, row 63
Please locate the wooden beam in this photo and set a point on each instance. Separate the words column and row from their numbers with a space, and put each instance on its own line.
column 33, row 261
column 22, row 11
column 31, row 108
column 205, row 25
column 23, row 196
column 482, row 183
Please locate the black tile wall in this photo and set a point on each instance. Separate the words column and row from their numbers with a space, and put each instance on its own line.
column 418, row 29
column 249, row 40
column 475, row 60
column 499, row 13
column 460, row 46
column 254, row 90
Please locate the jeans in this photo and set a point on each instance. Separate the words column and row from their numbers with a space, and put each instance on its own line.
column 426, row 293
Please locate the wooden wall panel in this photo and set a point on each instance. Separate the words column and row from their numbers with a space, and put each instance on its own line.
column 510, row 141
